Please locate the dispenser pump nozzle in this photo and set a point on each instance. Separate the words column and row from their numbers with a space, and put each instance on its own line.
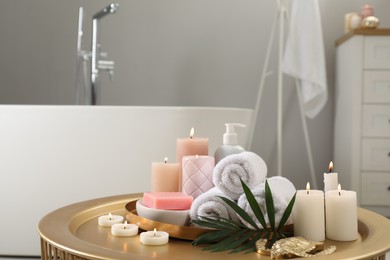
column 230, row 137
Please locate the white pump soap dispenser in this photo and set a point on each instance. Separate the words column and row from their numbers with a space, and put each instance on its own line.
column 230, row 143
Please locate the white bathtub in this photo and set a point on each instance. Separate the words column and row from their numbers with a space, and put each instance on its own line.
column 52, row 156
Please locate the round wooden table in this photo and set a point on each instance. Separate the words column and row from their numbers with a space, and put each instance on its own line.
column 72, row 232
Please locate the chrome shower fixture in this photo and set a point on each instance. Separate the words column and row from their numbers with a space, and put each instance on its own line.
column 97, row 64
column 110, row 9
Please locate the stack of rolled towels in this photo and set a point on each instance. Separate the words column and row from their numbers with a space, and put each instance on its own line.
column 251, row 169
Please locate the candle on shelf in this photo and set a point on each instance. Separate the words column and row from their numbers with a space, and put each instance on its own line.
column 341, row 215
column 197, row 174
column 330, row 179
column 109, row 220
column 124, row 230
column 308, row 214
column 165, row 176
column 154, row 238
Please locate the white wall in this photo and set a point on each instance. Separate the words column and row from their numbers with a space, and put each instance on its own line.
column 172, row 52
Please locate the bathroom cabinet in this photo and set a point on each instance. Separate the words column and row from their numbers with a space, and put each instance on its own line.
column 362, row 117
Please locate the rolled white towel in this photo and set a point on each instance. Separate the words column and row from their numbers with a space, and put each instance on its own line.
column 248, row 166
column 209, row 204
column 282, row 191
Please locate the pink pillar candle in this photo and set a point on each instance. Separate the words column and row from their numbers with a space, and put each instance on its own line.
column 197, row 174
column 191, row 146
column 165, row 176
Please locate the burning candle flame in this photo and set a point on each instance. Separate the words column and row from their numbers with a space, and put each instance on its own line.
column 109, row 216
column 192, row 132
column 166, row 159
column 154, row 232
column 339, row 189
column 307, row 187
column 330, row 166
column 125, row 225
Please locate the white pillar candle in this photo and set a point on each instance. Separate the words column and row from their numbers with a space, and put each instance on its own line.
column 341, row 215
column 330, row 179
column 154, row 238
column 124, row 230
column 109, row 220
column 308, row 214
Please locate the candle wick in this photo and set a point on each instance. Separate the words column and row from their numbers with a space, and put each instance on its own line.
column 339, row 193
column 307, row 192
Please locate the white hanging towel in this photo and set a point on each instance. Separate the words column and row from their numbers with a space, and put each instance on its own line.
column 304, row 56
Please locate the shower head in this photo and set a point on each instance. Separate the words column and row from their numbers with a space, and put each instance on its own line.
column 110, row 9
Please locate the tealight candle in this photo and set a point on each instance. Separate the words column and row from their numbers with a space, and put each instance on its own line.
column 124, row 230
column 109, row 220
column 308, row 214
column 154, row 238
column 341, row 215
column 330, row 179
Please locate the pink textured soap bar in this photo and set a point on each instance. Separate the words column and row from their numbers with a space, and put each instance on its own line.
column 167, row 200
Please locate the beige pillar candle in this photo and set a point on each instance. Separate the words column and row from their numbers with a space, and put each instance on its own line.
column 165, row 176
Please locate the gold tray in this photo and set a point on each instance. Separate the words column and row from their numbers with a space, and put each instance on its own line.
column 73, row 230
column 181, row 232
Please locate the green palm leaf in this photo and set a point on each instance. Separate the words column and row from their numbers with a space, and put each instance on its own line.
column 217, row 223
column 269, row 202
column 287, row 212
column 240, row 212
column 227, row 234
column 253, row 204
column 211, row 237
column 235, row 239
